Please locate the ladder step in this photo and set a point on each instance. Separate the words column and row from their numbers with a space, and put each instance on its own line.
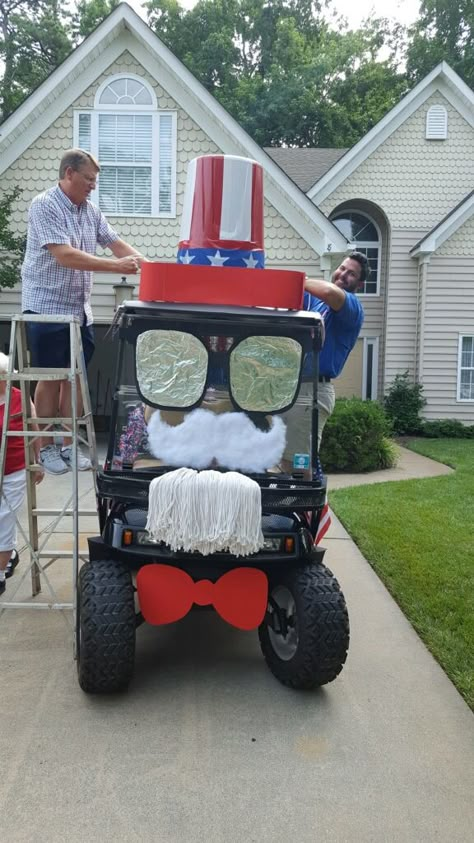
column 39, row 374
column 48, row 512
column 57, row 420
column 58, row 554
column 52, row 606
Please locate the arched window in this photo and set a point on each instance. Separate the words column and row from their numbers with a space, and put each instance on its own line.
column 135, row 145
column 362, row 231
column 125, row 90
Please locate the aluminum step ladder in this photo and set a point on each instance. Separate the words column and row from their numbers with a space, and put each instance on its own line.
column 79, row 429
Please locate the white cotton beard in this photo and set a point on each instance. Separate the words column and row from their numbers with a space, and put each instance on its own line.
column 230, row 439
column 206, row 512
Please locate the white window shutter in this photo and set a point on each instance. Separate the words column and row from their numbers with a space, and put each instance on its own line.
column 437, row 123
column 166, row 163
column 84, row 132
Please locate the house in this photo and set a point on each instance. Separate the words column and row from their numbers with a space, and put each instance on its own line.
column 125, row 97
column 402, row 195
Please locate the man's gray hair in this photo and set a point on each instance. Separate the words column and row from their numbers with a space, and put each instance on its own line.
column 76, row 158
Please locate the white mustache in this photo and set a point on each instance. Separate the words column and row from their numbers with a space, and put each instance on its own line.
column 230, row 439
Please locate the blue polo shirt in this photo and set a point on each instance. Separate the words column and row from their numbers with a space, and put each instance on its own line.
column 342, row 328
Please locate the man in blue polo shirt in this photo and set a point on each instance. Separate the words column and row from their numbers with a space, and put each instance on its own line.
column 343, row 317
column 342, row 313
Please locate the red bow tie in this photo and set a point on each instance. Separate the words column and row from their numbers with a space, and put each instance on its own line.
column 166, row 594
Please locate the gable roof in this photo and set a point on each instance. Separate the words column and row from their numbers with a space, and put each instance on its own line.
column 305, row 166
column 123, row 30
column 446, row 228
column 441, row 79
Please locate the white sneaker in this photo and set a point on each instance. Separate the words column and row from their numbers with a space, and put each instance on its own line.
column 50, row 460
column 83, row 462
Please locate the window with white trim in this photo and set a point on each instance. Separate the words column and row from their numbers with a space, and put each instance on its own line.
column 466, row 368
column 135, row 145
column 359, row 229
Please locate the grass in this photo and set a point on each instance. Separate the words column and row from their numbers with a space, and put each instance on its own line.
column 418, row 535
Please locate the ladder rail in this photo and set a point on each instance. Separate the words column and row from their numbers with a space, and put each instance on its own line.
column 73, row 426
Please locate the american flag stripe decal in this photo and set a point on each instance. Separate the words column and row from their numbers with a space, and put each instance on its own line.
column 324, row 523
column 223, row 205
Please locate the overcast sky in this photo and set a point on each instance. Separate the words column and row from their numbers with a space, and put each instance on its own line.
column 405, row 11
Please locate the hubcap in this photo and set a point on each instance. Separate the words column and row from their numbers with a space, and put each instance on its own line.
column 285, row 646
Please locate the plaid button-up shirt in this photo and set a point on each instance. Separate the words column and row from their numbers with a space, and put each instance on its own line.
column 48, row 287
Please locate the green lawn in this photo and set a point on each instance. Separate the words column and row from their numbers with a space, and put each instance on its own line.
column 418, row 535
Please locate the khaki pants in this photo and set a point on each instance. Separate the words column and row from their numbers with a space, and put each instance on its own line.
column 298, row 419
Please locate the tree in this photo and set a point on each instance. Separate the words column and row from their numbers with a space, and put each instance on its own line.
column 282, row 71
column 88, row 15
column 444, row 31
column 33, row 43
column 12, row 248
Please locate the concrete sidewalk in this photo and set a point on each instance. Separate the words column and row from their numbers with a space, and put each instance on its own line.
column 409, row 466
column 207, row 745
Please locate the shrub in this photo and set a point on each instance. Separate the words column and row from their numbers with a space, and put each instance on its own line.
column 355, row 437
column 403, row 404
column 12, row 248
column 447, row 427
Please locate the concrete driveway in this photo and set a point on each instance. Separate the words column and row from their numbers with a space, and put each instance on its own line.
column 208, row 746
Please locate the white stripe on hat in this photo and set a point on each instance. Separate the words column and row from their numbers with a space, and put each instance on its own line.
column 236, row 215
column 188, row 201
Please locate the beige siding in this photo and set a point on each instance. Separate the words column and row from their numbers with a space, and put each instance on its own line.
column 461, row 244
column 36, row 170
column 402, row 303
column 449, row 313
column 349, row 382
column 398, row 175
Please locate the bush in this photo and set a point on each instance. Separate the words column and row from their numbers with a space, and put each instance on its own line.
column 355, row 437
column 12, row 248
column 403, row 404
column 451, row 428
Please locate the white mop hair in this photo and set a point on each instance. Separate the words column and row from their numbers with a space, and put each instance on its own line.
column 231, row 439
column 206, row 512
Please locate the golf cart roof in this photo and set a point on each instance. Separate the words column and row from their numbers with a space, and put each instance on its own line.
column 223, row 313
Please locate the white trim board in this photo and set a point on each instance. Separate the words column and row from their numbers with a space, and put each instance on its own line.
column 123, row 30
column 445, row 229
column 442, row 79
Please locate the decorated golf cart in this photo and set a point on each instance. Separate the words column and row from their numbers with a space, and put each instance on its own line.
column 211, row 493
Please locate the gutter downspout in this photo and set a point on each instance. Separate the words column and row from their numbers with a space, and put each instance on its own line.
column 421, row 308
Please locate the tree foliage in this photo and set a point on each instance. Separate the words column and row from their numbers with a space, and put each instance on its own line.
column 443, row 32
column 290, row 71
column 12, row 248
column 282, row 71
column 33, row 42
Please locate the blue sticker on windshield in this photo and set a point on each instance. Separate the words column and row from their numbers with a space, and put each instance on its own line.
column 301, row 461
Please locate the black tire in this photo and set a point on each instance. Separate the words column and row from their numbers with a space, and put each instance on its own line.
column 314, row 649
column 106, row 625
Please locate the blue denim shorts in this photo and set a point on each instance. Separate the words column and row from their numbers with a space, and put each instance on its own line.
column 49, row 345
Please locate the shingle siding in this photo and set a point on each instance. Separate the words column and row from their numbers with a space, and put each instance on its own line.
column 399, row 174
column 461, row 243
column 36, row 170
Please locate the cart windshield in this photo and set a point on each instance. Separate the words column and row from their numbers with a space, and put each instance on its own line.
column 205, row 402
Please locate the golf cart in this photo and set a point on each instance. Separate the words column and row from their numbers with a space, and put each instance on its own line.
column 180, row 364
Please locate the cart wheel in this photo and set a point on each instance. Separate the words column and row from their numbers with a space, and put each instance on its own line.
column 105, row 627
column 305, row 634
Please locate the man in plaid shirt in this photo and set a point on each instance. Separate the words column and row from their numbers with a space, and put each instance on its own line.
column 64, row 229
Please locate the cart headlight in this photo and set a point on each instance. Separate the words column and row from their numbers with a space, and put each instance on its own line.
column 272, row 545
column 143, row 537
